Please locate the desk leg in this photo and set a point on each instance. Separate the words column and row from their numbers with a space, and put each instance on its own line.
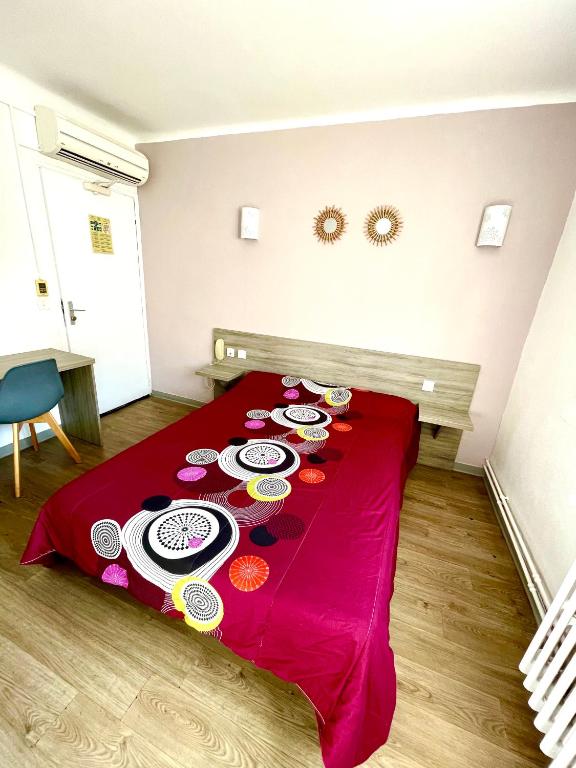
column 79, row 406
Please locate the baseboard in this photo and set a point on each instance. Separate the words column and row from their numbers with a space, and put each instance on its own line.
column 468, row 469
column 25, row 442
column 530, row 576
column 177, row 399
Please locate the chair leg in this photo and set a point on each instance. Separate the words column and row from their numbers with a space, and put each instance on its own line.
column 33, row 436
column 16, row 438
column 57, row 429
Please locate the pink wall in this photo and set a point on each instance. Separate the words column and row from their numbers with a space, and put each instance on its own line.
column 431, row 293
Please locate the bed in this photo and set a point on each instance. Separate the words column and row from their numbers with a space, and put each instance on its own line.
column 269, row 519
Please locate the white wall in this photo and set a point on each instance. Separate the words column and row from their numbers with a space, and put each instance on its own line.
column 535, row 453
column 25, row 250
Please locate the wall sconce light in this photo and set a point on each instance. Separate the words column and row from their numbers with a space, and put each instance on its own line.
column 249, row 223
column 494, row 225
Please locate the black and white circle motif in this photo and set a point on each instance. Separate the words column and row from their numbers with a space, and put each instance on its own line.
column 259, row 457
column 290, row 381
column 318, row 387
column 258, row 414
column 301, row 416
column 313, row 433
column 271, row 488
column 106, row 538
column 202, row 456
column 159, row 546
column 338, row 396
column 199, row 602
column 171, row 532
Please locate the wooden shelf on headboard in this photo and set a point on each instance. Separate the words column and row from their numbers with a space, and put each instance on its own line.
column 445, row 417
column 220, row 372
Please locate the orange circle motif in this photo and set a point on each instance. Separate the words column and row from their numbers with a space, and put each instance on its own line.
column 248, row 572
column 340, row 427
column 311, row 475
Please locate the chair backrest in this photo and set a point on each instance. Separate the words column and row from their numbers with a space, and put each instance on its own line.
column 29, row 390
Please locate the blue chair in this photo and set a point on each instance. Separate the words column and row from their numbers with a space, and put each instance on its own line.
column 27, row 394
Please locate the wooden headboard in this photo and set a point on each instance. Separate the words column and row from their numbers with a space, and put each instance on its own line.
column 444, row 413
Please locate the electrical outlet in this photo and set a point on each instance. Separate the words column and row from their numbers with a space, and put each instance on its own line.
column 428, row 385
column 242, row 354
column 230, row 351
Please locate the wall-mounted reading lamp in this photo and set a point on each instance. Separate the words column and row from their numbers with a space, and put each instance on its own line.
column 494, row 225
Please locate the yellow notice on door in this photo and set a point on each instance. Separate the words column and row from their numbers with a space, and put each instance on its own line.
column 101, row 234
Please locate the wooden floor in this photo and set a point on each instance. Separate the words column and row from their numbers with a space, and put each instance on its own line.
column 89, row 677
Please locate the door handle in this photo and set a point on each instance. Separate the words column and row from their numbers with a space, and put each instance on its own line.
column 72, row 312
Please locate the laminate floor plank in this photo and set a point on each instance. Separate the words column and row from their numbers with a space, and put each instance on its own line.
column 87, row 736
column 31, row 696
column 91, row 679
column 86, row 662
column 197, row 729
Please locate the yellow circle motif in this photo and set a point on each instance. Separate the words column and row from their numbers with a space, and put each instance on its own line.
column 199, row 602
column 268, row 488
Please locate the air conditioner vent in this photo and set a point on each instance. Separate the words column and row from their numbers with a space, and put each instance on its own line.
column 61, row 138
column 98, row 167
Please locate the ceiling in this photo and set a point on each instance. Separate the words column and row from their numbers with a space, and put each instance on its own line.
column 169, row 68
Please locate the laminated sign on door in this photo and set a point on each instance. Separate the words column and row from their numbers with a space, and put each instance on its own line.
column 101, row 234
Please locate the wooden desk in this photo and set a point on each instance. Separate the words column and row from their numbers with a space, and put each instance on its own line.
column 79, row 406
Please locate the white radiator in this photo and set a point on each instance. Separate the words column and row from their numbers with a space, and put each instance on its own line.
column 550, row 668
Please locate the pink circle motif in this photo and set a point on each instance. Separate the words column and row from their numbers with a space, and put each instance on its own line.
column 191, row 474
column 115, row 574
column 291, row 394
column 254, row 424
column 195, row 542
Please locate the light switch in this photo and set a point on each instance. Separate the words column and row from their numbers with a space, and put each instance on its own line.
column 229, row 351
column 242, row 354
column 428, row 385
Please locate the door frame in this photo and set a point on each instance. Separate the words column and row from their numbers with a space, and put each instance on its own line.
column 32, row 162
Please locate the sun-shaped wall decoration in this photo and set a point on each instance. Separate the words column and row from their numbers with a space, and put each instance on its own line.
column 330, row 224
column 383, row 225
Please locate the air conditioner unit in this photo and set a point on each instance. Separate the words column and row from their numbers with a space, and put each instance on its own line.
column 65, row 140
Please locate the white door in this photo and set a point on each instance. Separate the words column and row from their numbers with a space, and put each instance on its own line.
column 104, row 288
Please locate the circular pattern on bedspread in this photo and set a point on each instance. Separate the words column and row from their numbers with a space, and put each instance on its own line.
column 199, row 602
column 285, row 526
column 254, row 424
column 158, row 543
column 295, row 416
column 155, row 503
column 338, row 396
column 248, row 573
column 202, row 456
column 318, row 387
column 259, row 457
column 258, row 413
column 314, row 434
column 290, row 381
column 106, row 538
column 261, row 536
column 268, row 488
column 191, row 474
column 312, row 476
column 341, row 426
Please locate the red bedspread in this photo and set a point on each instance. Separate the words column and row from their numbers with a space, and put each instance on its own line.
column 268, row 518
